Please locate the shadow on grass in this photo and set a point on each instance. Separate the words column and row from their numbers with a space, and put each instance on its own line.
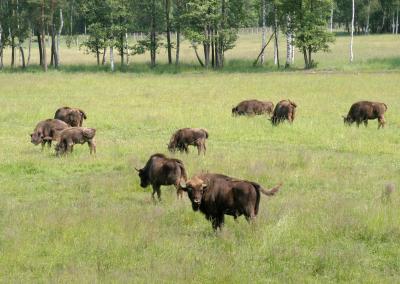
column 385, row 63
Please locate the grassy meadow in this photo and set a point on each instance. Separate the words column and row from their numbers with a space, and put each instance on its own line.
column 85, row 218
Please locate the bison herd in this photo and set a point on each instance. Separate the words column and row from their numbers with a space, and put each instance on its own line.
column 215, row 195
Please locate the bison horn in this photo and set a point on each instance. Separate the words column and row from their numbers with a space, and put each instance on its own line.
column 137, row 170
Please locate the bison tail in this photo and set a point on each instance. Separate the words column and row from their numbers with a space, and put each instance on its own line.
column 385, row 106
column 271, row 191
column 206, row 132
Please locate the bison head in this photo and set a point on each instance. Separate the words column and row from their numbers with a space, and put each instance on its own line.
column 195, row 189
column 347, row 120
column 36, row 138
column 144, row 180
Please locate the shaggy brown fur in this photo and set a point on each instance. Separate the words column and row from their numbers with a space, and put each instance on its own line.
column 160, row 170
column 184, row 137
column 284, row 110
column 47, row 131
column 217, row 195
column 76, row 135
column 253, row 107
column 72, row 116
column 361, row 112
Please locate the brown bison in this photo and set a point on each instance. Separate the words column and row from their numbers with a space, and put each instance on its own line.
column 285, row 109
column 361, row 112
column 76, row 135
column 252, row 107
column 160, row 170
column 217, row 195
column 47, row 131
column 184, row 137
column 72, row 116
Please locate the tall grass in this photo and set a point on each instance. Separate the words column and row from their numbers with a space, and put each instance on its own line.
column 86, row 219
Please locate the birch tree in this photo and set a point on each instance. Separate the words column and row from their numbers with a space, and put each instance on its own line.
column 264, row 31
column 352, row 33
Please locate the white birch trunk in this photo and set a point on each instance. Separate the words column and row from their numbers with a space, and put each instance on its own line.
column 368, row 12
column 397, row 19
column 1, row 48
column 58, row 37
column 331, row 21
column 352, row 33
column 29, row 48
column 288, row 43
column 264, row 31
column 276, row 41
column 112, row 58
column 127, row 48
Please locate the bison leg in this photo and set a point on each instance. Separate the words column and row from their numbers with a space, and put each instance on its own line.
column 204, row 147
column 49, row 143
column 186, row 148
column 92, row 147
column 43, row 144
column 381, row 122
column 156, row 189
column 366, row 122
column 218, row 221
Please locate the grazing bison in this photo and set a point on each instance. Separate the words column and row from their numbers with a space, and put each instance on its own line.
column 285, row 109
column 252, row 107
column 76, row 135
column 216, row 195
column 363, row 111
column 160, row 170
column 72, row 116
column 47, row 131
column 184, row 137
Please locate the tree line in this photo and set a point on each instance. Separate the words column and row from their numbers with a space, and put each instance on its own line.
column 210, row 26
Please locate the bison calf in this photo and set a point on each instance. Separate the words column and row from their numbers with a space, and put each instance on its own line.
column 47, row 131
column 160, row 170
column 76, row 135
column 252, row 107
column 72, row 116
column 184, row 137
column 284, row 110
column 217, row 195
column 361, row 112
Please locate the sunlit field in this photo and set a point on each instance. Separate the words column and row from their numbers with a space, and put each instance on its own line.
column 85, row 218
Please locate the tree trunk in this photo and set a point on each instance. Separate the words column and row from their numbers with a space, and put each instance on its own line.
column 206, row 46
column 21, row 49
column 103, row 61
column 397, row 19
column 264, row 32
column 121, row 49
column 43, row 39
column 1, row 47
column 352, row 32
column 197, row 55
column 288, row 44
column 126, row 48
column 98, row 56
column 368, row 12
column 310, row 62
column 168, row 23
column 40, row 48
column 12, row 51
column 178, row 44
column 331, row 20
column 306, row 64
column 276, row 56
column 212, row 49
column 58, row 37
column 153, row 48
column 29, row 48
column 111, row 58
column 53, row 57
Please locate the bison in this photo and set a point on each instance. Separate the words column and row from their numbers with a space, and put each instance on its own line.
column 285, row 109
column 217, row 195
column 160, row 170
column 184, row 137
column 72, row 116
column 363, row 111
column 47, row 131
column 76, row 135
column 252, row 107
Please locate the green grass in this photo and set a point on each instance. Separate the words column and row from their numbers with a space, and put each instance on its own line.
column 86, row 219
